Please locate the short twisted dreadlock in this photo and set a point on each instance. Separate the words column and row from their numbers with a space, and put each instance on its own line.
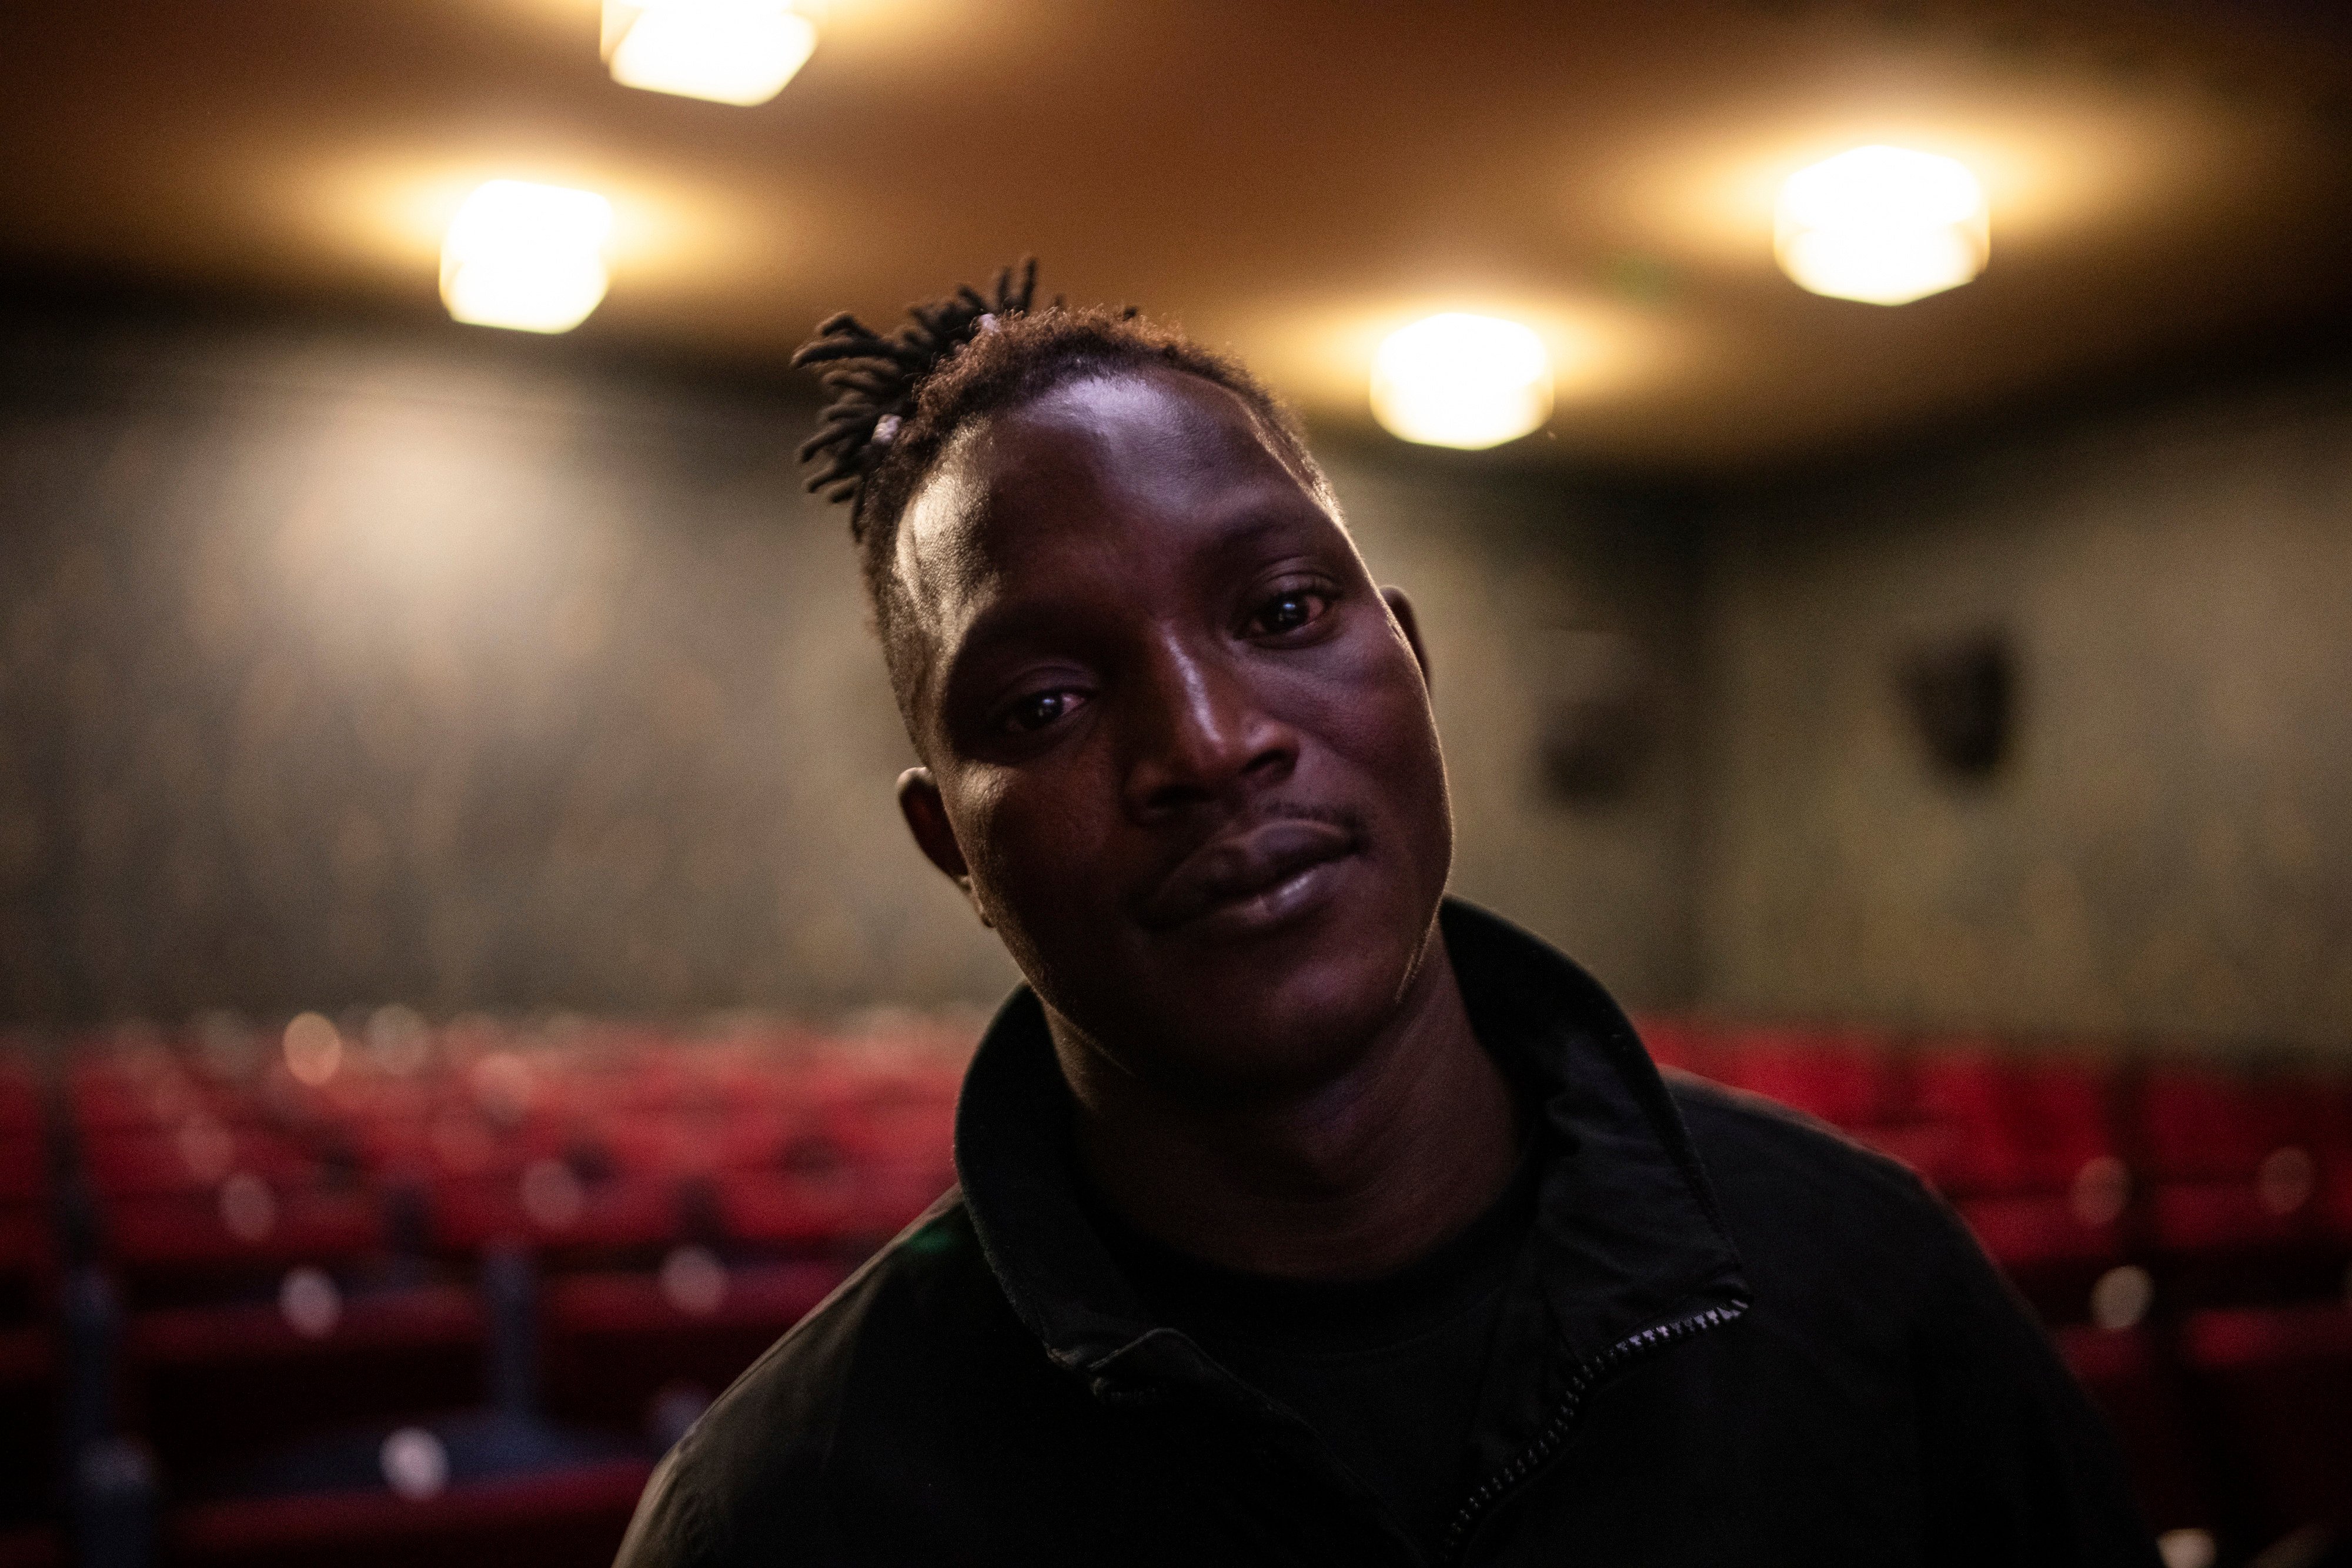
column 897, row 398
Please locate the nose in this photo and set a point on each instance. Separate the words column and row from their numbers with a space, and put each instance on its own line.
column 1197, row 732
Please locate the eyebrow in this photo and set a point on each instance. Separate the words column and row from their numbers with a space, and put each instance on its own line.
column 1255, row 520
column 1263, row 510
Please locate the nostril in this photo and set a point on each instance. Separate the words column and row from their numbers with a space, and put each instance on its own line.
column 1274, row 759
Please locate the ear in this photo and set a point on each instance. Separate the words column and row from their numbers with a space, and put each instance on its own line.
column 927, row 819
column 1410, row 625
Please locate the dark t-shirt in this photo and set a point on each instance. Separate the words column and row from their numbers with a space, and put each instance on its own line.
column 1387, row 1372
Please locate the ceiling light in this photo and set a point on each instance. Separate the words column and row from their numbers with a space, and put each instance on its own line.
column 1462, row 381
column 728, row 51
column 526, row 256
column 1882, row 224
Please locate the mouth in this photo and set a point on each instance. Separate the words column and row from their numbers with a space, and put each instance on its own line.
column 1260, row 876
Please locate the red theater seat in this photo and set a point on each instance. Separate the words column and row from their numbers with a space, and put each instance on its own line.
column 169, row 1247
column 550, row 1209
column 828, row 1209
column 797, row 1210
column 2021, row 1125
column 2222, row 1243
column 107, row 1097
column 557, row 1519
column 1842, row 1079
column 2239, row 1210
column 616, row 1341
column 2134, row 1388
column 23, row 1166
column 145, row 1162
column 208, row 1382
column 2202, row 1124
column 2277, row 1383
column 2047, row 1248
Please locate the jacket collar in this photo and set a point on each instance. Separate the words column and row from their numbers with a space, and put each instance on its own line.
column 1628, row 1232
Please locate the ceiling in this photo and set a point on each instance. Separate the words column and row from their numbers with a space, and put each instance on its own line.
column 1288, row 179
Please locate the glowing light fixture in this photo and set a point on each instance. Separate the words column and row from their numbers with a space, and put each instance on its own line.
column 1462, row 381
column 1882, row 224
column 728, row 51
column 526, row 256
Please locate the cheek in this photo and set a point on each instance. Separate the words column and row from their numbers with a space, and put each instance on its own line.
column 1380, row 724
column 1042, row 872
column 1034, row 845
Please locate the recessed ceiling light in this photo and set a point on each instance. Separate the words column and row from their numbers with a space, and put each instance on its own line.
column 728, row 51
column 526, row 256
column 1464, row 380
column 1882, row 224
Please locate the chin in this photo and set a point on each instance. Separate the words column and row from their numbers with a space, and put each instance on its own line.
column 1273, row 1022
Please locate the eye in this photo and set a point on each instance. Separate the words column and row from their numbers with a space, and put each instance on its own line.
column 1292, row 610
column 1039, row 709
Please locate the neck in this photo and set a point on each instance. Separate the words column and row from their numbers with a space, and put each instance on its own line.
column 1351, row 1178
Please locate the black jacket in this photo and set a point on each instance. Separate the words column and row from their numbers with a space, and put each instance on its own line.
column 1735, row 1339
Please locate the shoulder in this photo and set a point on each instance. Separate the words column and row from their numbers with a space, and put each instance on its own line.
column 1867, row 1284
column 921, row 1319
column 1735, row 1131
column 1808, row 1205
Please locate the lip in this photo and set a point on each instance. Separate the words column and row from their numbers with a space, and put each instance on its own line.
column 1260, row 876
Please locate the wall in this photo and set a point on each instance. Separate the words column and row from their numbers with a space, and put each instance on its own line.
column 339, row 667
column 1522, row 582
column 2169, row 852
column 342, row 669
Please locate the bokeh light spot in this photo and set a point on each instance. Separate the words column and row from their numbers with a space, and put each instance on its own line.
column 314, row 1049
column 309, row 1303
column 693, row 1280
column 414, row 1463
column 2121, row 1297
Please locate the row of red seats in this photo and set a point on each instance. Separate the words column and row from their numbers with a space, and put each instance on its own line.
column 2232, row 1187
column 787, row 1143
column 205, row 1383
column 2237, row 1422
column 695, row 1200
column 636, row 1353
column 1985, row 1117
column 296, row 1249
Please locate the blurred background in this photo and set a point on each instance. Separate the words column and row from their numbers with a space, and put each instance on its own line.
column 1877, row 479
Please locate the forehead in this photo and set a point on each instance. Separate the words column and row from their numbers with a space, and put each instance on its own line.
column 1117, row 473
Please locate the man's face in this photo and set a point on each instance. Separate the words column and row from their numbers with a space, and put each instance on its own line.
column 1180, row 745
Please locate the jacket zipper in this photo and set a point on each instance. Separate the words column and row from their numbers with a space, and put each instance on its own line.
column 1530, row 1458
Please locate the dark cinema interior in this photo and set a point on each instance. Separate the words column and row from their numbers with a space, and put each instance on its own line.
column 467, row 988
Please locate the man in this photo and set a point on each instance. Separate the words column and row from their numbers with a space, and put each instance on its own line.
column 1306, row 1216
